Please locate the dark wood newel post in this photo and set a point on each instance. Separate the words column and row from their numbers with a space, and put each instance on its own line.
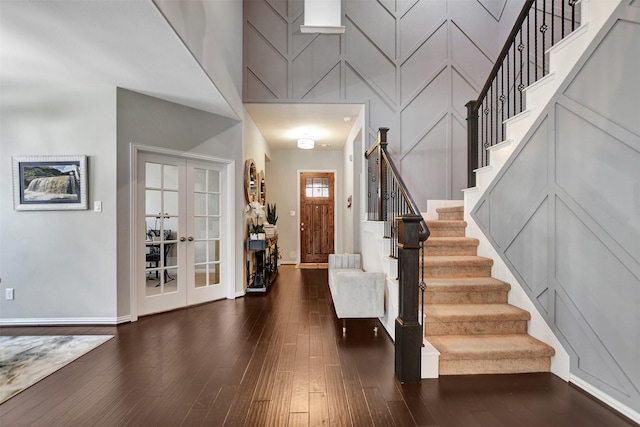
column 382, row 173
column 408, row 330
column 472, row 143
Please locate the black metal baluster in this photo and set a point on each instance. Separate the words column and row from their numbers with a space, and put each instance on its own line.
column 506, row 101
column 521, row 86
column 562, row 22
column 535, row 40
column 553, row 22
column 543, row 30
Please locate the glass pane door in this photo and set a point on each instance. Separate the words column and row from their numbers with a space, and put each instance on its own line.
column 161, row 207
column 205, row 207
column 161, row 219
column 206, row 193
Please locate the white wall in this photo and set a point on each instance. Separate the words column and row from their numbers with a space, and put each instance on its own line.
column 62, row 264
column 282, row 189
column 352, row 186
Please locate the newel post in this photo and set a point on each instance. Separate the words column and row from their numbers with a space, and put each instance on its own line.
column 472, row 143
column 382, row 173
column 408, row 331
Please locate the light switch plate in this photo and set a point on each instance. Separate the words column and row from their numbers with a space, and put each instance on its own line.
column 97, row 206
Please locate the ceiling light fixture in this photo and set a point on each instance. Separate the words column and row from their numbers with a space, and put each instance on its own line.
column 306, row 143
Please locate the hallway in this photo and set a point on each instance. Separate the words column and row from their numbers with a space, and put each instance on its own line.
column 277, row 359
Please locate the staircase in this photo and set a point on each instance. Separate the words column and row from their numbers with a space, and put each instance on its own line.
column 467, row 317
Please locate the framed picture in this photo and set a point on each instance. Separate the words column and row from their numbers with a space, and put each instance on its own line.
column 49, row 182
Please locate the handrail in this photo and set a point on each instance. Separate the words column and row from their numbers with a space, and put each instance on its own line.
column 392, row 197
column 521, row 62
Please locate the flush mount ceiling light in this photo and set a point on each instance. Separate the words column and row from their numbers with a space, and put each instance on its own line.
column 306, row 143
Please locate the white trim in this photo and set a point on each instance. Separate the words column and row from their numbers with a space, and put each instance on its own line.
column 229, row 170
column 605, row 398
column 311, row 29
column 50, row 321
column 335, row 206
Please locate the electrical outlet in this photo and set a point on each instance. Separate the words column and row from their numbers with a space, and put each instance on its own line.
column 8, row 293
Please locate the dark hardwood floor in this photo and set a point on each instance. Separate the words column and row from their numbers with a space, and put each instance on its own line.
column 275, row 360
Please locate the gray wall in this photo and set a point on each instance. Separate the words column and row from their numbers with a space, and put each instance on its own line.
column 62, row 264
column 282, row 172
column 564, row 213
column 154, row 122
column 414, row 64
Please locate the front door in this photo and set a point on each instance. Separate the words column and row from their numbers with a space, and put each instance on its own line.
column 316, row 216
column 180, row 205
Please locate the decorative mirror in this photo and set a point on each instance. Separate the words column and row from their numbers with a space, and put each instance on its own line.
column 250, row 181
column 262, row 186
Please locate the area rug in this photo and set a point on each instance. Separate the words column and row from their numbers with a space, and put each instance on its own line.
column 25, row 360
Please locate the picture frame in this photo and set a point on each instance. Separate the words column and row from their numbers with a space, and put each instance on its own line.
column 49, row 183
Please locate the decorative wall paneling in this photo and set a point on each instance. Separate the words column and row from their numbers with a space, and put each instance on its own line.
column 414, row 64
column 564, row 212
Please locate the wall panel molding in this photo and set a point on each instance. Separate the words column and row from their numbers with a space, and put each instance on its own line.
column 391, row 55
column 583, row 256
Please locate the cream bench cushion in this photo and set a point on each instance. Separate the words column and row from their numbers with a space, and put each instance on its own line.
column 355, row 293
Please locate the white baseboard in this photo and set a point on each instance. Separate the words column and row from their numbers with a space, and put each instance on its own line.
column 605, row 398
column 56, row 321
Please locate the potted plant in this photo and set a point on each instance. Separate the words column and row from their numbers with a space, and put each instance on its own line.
column 256, row 220
column 272, row 218
column 256, row 232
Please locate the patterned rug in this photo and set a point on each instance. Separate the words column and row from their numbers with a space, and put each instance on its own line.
column 25, row 360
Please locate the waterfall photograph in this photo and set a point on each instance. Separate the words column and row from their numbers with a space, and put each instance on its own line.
column 52, row 182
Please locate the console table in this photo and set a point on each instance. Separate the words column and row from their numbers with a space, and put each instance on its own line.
column 264, row 254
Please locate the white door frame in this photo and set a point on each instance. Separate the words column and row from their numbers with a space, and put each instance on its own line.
column 227, row 233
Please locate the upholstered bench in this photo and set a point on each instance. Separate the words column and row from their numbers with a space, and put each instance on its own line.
column 355, row 293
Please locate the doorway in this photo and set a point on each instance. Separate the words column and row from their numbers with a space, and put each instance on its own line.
column 317, row 219
column 181, row 239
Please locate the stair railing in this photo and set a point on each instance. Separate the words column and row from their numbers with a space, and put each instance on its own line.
column 522, row 62
column 388, row 197
column 389, row 201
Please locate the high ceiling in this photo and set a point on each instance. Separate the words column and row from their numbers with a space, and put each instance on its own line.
column 129, row 44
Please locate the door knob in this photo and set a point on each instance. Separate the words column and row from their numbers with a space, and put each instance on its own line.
column 182, row 239
column 190, row 239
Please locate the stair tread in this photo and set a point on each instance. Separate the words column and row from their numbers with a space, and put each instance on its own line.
column 511, row 346
column 456, row 260
column 437, row 241
column 450, row 209
column 474, row 312
column 446, row 223
column 467, row 284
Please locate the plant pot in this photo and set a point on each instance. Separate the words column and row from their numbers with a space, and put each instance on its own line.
column 256, row 236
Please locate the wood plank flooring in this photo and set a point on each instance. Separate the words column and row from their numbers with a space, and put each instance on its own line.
column 275, row 360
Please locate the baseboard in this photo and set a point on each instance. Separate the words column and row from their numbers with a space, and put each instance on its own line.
column 605, row 398
column 56, row 321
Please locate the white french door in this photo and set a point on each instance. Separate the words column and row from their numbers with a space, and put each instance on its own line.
column 180, row 205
